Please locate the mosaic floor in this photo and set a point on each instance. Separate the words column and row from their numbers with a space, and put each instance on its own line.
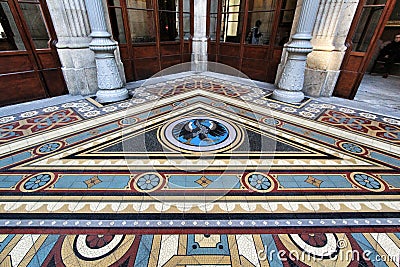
column 199, row 171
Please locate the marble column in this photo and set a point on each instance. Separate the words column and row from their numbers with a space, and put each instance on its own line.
column 199, row 40
column 110, row 85
column 291, row 82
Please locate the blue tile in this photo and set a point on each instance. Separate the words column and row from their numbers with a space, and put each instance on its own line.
column 78, row 182
column 14, row 159
column 270, row 251
column 367, row 247
column 221, row 248
column 384, row 158
column 43, row 251
column 7, row 181
column 5, row 242
column 144, row 250
column 393, row 180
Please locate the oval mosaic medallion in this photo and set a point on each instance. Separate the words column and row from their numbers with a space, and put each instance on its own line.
column 367, row 182
column 49, row 147
column 259, row 182
column 200, row 134
column 37, row 182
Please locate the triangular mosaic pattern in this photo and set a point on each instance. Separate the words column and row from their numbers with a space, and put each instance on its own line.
column 199, row 171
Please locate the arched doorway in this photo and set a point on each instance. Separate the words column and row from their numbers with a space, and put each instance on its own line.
column 29, row 64
column 367, row 27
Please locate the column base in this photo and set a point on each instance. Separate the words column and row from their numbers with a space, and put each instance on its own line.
column 288, row 96
column 199, row 66
column 107, row 96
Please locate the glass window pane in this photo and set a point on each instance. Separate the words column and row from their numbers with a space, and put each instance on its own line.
column 186, row 6
column 169, row 26
column 231, row 27
column 10, row 39
column 282, row 35
column 186, row 26
column 37, row 27
column 117, row 25
column 213, row 27
column 233, row 16
column 375, row 2
column 289, row 4
column 396, row 12
column 232, row 6
column 261, row 5
column 113, row 3
column 234, row 9
column 170, row 5
column 285, row 23
column 141, row 23
column 366, row 27
column 141, row 4
column 259, row 34
column 214, row 6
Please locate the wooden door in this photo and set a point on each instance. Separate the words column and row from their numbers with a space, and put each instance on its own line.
column 29, row 65
column 152, row 34
column 367, row 26
column 230, row 23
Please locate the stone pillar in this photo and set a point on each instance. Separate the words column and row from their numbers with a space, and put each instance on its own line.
column 199, row 41
column 110, row 85
column 291, row 82
column 72, row 27
column 323, row 64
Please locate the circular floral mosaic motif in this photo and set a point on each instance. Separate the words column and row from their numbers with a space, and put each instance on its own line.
column 259, row 182
column 353, row 148
column 199, row 134
column 368, row 182
column 148, row 182
column 271, row 121
column 49, row 147
column 37, row 182
column 128, row 121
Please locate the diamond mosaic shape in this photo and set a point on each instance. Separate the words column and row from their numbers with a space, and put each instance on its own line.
column 204, row 181
column 92, row 181
column 313, row 181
